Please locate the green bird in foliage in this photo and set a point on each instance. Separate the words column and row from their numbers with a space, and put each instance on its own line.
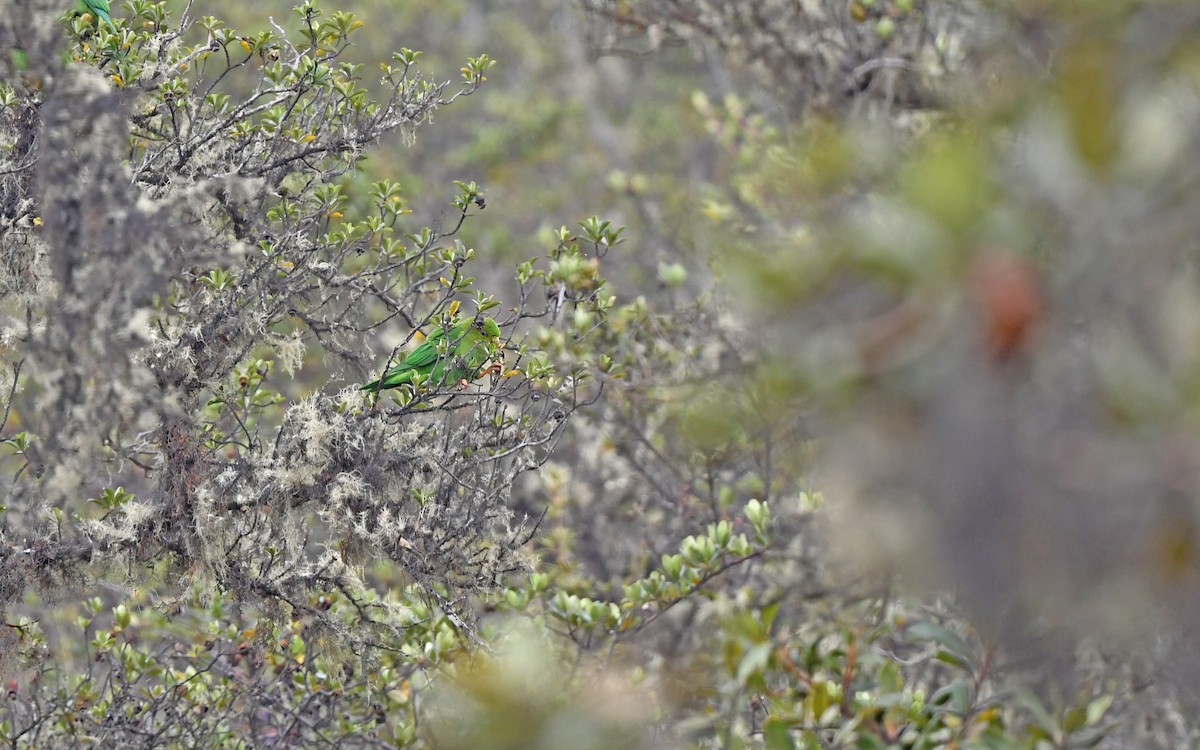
column 446, row 357
column 98, row 8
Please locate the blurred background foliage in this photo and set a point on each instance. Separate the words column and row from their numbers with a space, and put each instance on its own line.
column 903, row 451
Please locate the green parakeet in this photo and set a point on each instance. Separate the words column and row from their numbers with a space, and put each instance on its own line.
column 468, row 346
column 98, row 8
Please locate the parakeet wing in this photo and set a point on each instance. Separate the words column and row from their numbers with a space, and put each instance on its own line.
column 427, row 353
column 422, row 360
column 470, row 352
column 99, row 7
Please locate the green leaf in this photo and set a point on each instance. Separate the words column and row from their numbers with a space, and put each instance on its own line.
column 955, row 696
column 1097, row 708
column 754, row 661
column 996, row 739
column 1041, row 717
column 19, row 442
column 777, row 735
column 870, row 742
column 929, row 631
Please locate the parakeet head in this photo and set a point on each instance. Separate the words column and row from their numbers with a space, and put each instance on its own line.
column 490, row 329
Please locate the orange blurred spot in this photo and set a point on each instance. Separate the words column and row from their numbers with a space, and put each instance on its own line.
column 1007, row 290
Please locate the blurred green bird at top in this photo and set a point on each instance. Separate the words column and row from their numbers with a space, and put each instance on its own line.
column 98, row 8
column 446, row 357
